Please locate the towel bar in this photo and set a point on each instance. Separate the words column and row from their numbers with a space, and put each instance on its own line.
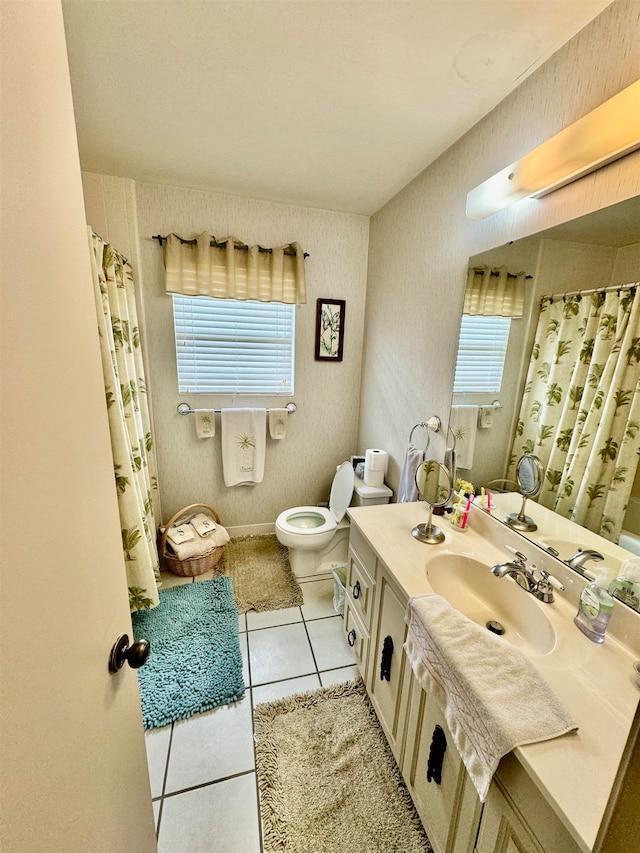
column 185, row 409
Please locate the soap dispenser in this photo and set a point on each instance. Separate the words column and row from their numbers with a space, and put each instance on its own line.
column 626, row 586
column 595, row 607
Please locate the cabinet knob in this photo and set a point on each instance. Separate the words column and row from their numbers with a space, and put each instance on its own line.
column 351, row 637
column 356, row 590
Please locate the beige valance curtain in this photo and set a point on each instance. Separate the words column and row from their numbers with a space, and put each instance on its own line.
column 233, row 270
column 494, row 292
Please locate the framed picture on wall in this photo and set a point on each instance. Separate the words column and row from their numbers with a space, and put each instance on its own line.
column 330, row 329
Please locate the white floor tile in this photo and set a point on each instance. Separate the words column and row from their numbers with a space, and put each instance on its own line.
column 279, row 653
column 280, row 689
column 329, row 643
column 242, row 622
column 273, row 618
column 337, row 676
column 221, row 818
column 318, row 600
column 169, row 580
column 157, row 743
column 156, row 812
column 211, row 746
column 244, row 649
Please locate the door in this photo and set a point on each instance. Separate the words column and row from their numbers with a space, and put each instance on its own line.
column 73, row 764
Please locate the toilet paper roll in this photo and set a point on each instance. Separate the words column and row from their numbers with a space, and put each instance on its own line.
column 376, row 459
column 375, row 466
column 373, row 478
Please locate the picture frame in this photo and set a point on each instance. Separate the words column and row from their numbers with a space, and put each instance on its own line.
column 330, row 329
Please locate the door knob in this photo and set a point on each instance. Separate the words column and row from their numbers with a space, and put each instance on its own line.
column 135, row 655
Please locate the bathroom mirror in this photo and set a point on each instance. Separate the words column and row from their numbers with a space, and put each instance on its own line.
column 529, row 476
column 568, row 257
column 434, row 484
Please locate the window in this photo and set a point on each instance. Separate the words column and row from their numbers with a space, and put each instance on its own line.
column 481, row 353
column 228, row 346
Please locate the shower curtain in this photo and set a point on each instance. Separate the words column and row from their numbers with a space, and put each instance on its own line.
column 134, row 461
column 580, row 411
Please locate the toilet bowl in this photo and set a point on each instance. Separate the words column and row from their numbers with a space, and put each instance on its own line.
column 317, row 537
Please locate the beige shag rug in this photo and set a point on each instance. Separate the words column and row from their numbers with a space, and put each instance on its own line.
column 261, row 574
column 328, row 780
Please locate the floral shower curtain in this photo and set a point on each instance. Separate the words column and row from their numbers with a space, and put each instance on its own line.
column 580, row 410
column 134, row 461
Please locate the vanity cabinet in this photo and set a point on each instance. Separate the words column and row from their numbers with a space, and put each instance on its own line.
column 387, row 675
column 517, row 818
column 449, row 808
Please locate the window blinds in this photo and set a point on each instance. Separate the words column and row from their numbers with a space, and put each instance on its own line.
column 481, row 353
column 226, row 346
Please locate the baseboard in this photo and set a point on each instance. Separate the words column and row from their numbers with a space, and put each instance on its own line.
column 251, row 529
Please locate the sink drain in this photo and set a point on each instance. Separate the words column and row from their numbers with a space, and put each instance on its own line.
column 495, row 627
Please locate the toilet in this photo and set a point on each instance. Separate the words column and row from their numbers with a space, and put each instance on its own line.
column 317, row 537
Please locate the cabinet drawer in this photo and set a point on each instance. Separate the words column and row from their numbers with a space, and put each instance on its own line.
column 357, row 637
column 360, row 589
column 364, row 551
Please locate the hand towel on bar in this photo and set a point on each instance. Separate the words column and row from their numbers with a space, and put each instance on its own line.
column 407, row 490
column 243, row 445
column 464, row 423
column 181, row 533
column 203, row 524
column 199, row 544
column 278, row 423
column 205, row 423
column 492, row 697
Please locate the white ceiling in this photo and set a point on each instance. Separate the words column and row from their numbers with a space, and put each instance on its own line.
column 335, row 104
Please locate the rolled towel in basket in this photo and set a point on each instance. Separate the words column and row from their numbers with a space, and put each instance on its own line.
column 203, row 524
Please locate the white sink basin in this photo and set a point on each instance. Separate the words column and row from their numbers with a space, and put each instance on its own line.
column 469, row 587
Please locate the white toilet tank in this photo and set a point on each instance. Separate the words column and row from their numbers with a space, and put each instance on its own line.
column 364, row 495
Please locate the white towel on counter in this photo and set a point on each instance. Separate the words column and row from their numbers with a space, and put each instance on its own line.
column 278, row 423
column 407, row 490
column 492, row 697
column 464, row 423
column 205, row 423
column 243, row 445
column 198, row 545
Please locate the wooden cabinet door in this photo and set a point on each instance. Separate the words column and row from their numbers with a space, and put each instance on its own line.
column 450, row 810
column 386, row 691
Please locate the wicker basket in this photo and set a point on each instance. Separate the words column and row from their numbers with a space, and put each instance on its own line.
column 192, row 566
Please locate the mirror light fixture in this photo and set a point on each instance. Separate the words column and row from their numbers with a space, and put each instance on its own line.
column 602, row 136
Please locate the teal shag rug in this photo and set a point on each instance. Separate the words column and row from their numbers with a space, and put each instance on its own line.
column 195, row 662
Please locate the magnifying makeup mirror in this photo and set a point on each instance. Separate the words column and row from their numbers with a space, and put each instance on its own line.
column 434, row 485
column 530, row 475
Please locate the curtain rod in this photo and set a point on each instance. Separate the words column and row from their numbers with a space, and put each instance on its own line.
column 493, row 272
column 611, row 289
column 215, row 245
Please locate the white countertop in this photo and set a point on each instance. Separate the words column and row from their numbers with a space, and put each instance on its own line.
column 595, row 682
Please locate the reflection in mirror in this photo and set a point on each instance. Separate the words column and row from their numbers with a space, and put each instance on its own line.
column 434, row 485
column 529, row 474
column 601, row 250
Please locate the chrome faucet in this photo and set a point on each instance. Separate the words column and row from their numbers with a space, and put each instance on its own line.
column 521, row 574
column 578, row 560
column 541, row 588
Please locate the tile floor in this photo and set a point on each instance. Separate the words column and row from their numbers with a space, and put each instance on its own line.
column 202, row 770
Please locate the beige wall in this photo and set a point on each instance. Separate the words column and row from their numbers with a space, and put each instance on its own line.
column 323, row 432
column 627, row 265
column 421, row 240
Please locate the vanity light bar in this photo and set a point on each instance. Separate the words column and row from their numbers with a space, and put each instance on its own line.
column 602, row 136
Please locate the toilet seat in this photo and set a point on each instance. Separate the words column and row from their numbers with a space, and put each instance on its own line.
column 309, row 521
column 306, row 520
